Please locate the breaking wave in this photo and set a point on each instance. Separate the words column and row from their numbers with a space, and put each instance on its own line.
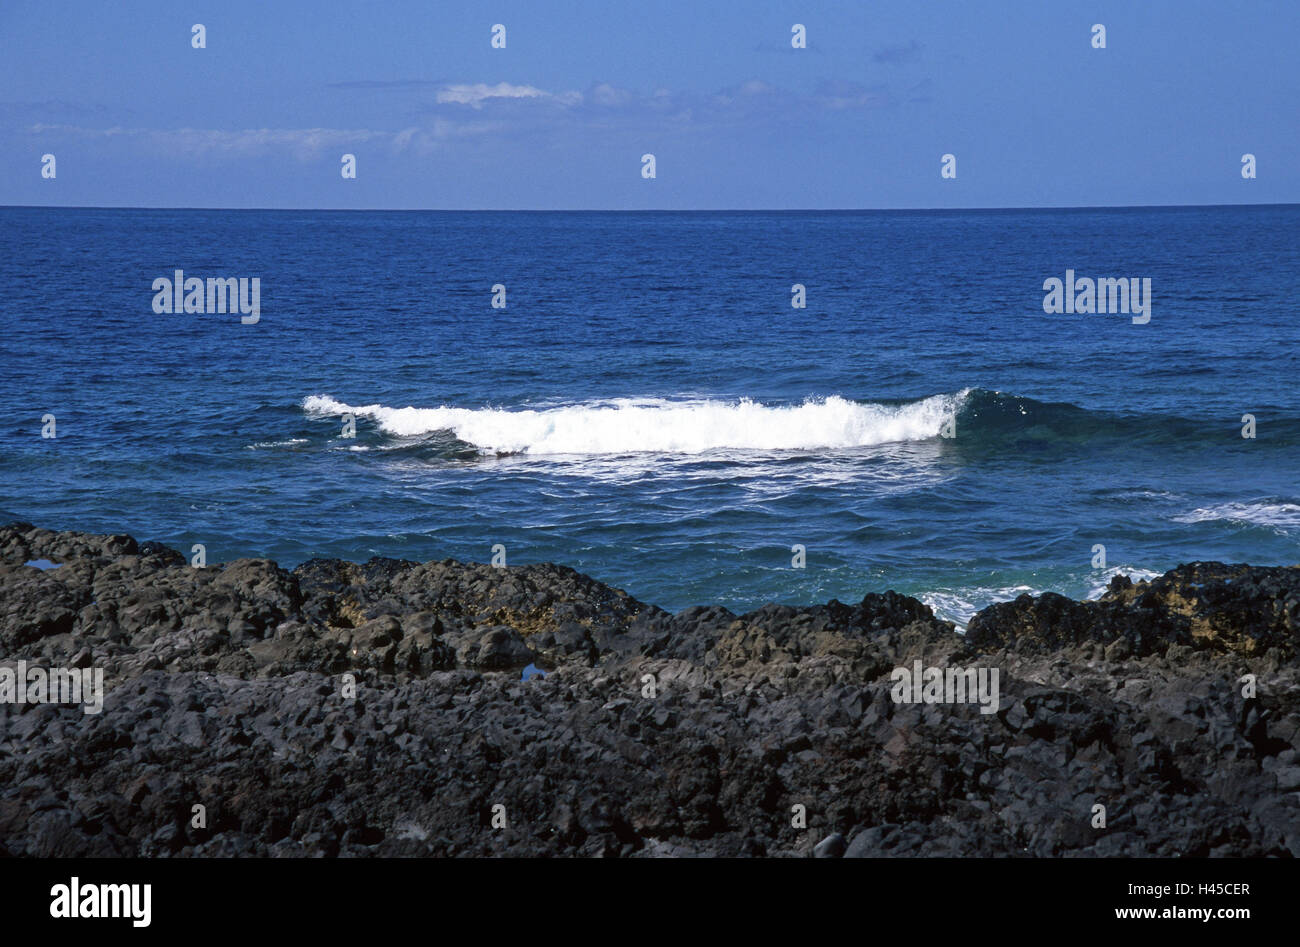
column 625, row 426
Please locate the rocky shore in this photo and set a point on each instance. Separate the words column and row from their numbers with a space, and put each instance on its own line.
column 701, row 733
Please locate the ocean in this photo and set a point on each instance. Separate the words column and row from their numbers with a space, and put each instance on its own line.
column 650, row 408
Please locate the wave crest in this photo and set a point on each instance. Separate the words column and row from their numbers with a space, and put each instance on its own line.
column 654, row 425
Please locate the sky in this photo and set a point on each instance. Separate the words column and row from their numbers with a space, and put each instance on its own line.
column 735, row 116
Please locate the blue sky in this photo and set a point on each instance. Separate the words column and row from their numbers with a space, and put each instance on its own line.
column 735, row 117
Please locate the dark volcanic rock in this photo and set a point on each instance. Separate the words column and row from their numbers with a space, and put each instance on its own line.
column 377, row 708
column 1247, row 610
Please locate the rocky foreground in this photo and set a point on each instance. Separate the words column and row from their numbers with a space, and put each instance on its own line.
column 226, row 687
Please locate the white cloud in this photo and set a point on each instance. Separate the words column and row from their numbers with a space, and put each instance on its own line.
column 478, row 93
column 605, row 94
column 603, row 105
column 303, row 143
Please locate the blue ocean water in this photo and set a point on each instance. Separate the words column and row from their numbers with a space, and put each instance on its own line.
column 649, row 407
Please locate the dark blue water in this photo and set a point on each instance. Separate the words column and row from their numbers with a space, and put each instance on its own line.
column 650, row 409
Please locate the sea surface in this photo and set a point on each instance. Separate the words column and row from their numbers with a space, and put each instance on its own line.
column 649, row 408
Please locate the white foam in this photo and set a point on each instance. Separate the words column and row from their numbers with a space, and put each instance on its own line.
column 1100, row 582
column 291, row 442
column 1261, row 513
column 958, row 605
column 626, row 426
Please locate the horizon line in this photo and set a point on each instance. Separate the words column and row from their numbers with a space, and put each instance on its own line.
column 652, row 210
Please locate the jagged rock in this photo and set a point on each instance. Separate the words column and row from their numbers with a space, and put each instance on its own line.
column 651, row 733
